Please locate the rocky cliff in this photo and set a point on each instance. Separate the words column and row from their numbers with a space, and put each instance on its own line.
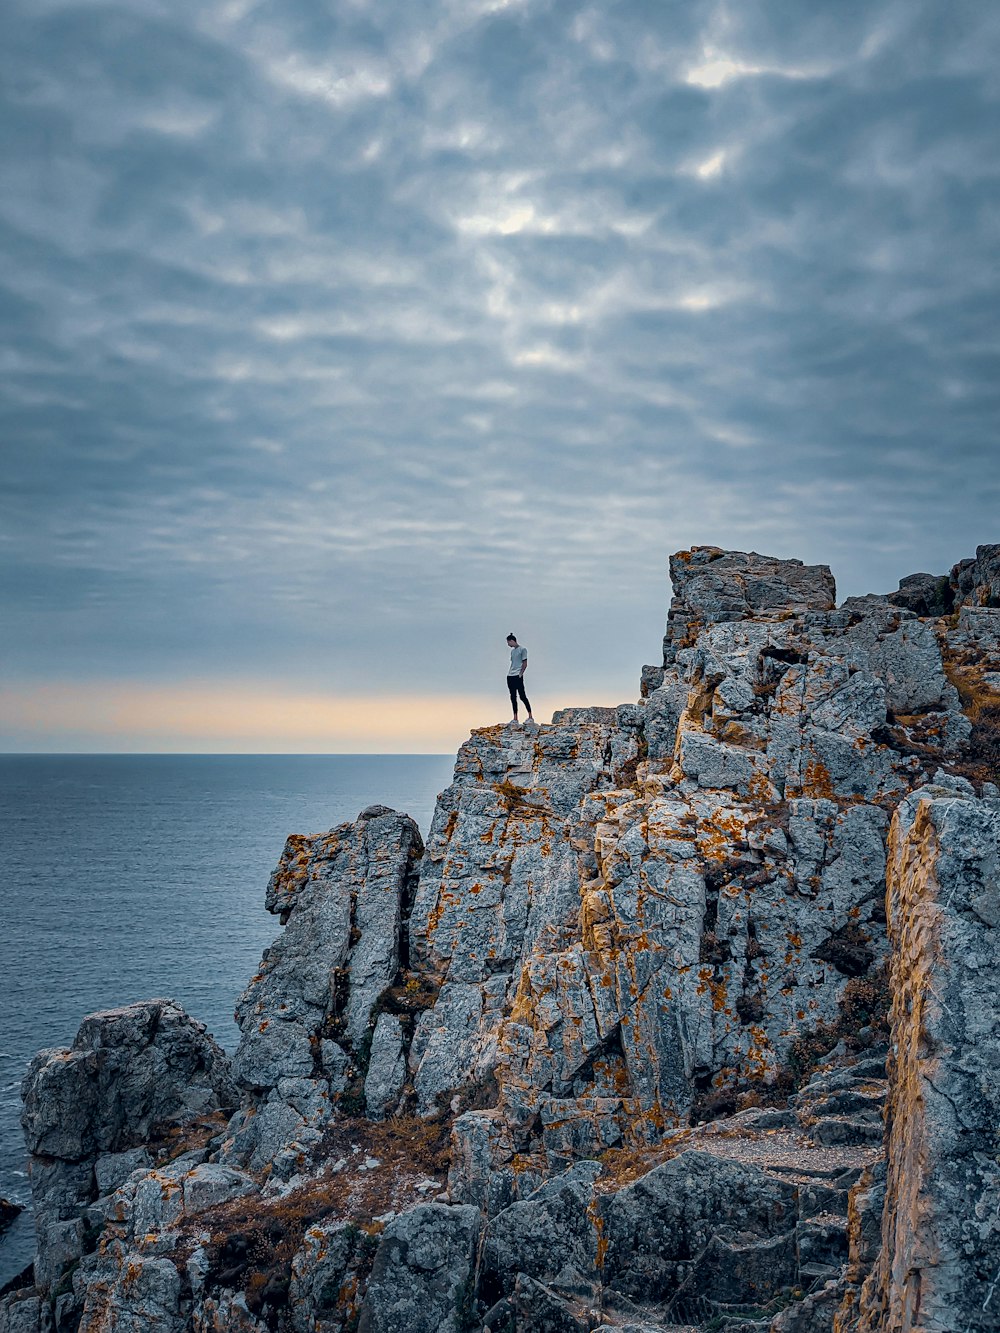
column 610, row 1051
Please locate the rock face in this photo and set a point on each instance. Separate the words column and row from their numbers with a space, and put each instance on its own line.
column 938, row 1265
column 976, row 582
column 610, row 1051
column 132, row 1078
column 344, row 898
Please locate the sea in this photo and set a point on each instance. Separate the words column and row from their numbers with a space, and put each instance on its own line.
column 128, row 877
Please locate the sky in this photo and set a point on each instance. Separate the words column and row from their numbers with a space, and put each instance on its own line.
column 338, row 339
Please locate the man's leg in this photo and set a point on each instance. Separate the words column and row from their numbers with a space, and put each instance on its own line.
column 512, row 684
column 520, row 690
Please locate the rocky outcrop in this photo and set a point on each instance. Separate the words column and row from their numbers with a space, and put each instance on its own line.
column 608, row 1052
column 306, row 1019
column 938, row 1264
column 712, row 585
column 976, row 582
column 134, row 1082
column 924, row 594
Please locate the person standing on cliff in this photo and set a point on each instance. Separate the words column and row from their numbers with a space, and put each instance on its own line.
column 515, row 676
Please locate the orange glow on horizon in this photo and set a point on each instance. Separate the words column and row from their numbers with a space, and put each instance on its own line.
column 241, row 718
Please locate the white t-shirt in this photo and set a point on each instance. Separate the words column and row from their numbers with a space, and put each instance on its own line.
column 517, row 656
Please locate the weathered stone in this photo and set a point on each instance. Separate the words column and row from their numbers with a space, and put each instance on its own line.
column 536, row 1308
column 227, row 1313
column 976, row 582
column 141, row 1294
column 132, row 1074
column 924, row 594
column 23, row 1312
column 550, row 1236
column 324, row 1295
column 113, row 1169
column 939, row 1262
column 129, row 1073
column 712, row 585
column 655, row 1230
column 343, row 895
column 419, row 1281
column 386, row 1067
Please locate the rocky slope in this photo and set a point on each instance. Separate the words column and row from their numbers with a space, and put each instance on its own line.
column 610, row 1051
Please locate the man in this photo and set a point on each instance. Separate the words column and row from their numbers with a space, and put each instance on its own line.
column 515, row 676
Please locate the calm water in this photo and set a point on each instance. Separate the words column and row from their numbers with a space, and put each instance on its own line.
column 124, row 877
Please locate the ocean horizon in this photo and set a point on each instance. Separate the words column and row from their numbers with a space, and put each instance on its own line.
column 129, row 876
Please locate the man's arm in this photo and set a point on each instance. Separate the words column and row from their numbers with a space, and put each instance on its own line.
column 524, row 664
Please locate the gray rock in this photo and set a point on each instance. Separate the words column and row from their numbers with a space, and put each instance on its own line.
column 420, row 1279
column 482, row 1155
column 976, row 582
column 143, row 1295
column 550, row 1236
column 924, row 594
column 536, row 1308
column 939, row 1258
column 113, row 1169
column 23, row 1312
column 342, row 895
column 227, row 1313
column 657, row 1229
column 325, row 1292
column 129, row 1073
column 712, row 585
column 386, row 1067
column 266, row 1131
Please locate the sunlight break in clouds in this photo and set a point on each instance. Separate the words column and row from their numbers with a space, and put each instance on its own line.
column 712, row 166
column 715, row 70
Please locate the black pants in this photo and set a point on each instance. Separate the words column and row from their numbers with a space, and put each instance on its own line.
column 515, row 684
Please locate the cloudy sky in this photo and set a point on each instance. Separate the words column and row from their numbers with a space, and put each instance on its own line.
column 339, row 338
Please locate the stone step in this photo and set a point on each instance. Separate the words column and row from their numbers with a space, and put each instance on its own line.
column 836, row 1130
column 845, row 1101
column 816, row 1198
column 822, row 1240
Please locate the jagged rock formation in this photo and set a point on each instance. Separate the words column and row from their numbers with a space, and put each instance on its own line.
column 938, row 1264
column 343, row 898
column 134, row 1080
column 630, row 999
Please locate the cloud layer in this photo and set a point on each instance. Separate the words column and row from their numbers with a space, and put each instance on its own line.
column 335, row 343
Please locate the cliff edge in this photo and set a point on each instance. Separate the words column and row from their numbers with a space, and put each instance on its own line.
column 683, row 1017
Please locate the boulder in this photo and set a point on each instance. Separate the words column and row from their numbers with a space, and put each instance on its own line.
column 549, row 1236
column 924, row 594
column 420, row 1281
column 307, row 1019
column 712, row 585
column 24, row 1312
column 130, row 1074
column 976, row 582
column 132, row 1077
column 729, row 1223
column 386, row 1067
column 343, row 895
